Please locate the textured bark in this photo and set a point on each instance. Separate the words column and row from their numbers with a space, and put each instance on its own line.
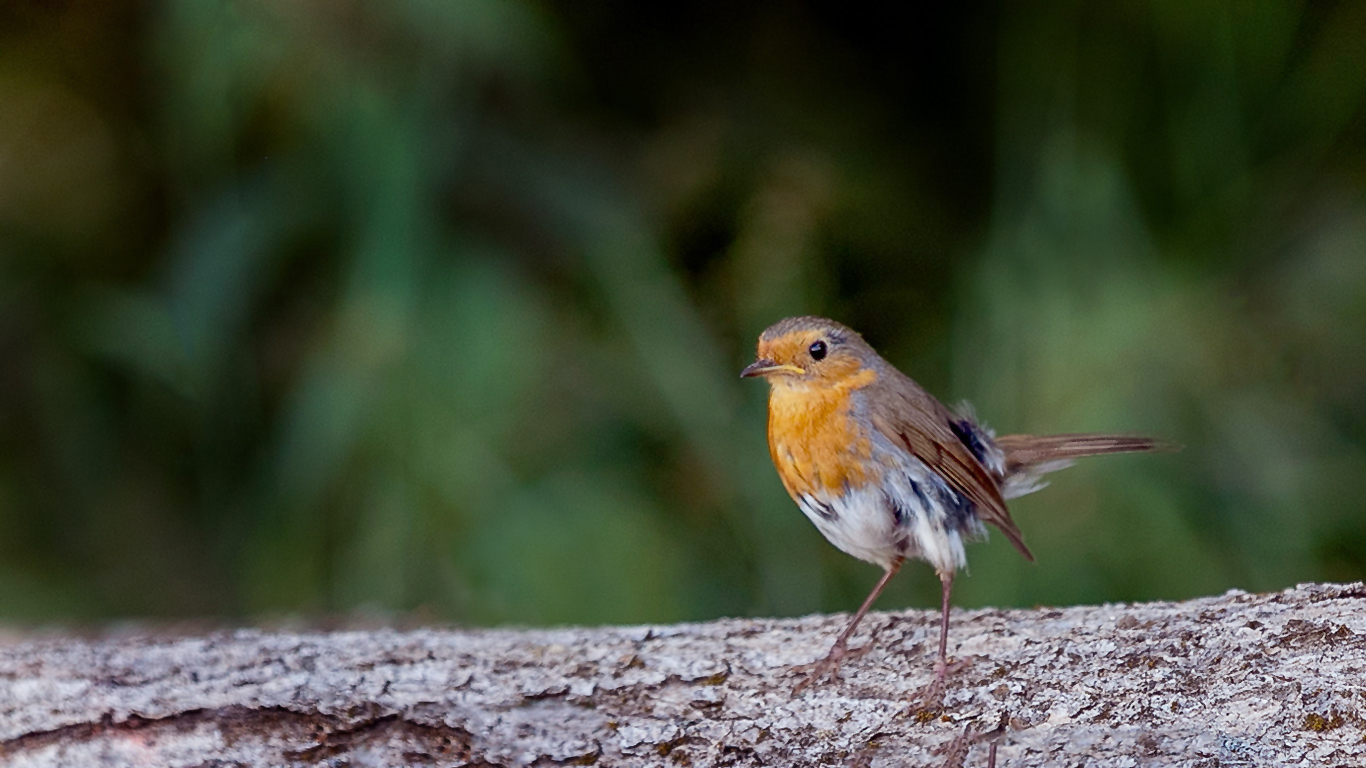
column 1236, row 680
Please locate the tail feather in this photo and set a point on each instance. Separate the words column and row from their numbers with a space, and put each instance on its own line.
column 1029, row 457
column 1023, row 451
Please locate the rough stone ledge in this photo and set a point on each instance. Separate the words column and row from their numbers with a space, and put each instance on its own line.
column 1234, row 680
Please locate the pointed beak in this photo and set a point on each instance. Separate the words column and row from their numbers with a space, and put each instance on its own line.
column 764, row 366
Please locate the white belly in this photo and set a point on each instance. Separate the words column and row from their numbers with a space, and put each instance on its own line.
column 912, row 515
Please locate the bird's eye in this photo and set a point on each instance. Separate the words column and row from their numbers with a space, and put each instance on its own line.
column 817, row 350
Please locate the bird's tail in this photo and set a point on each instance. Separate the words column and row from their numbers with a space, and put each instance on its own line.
column 1029, row 457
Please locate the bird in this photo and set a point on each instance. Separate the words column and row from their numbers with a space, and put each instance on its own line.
column 887, row 473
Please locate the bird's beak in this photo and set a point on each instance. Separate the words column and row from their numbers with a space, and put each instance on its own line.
column 763, row 367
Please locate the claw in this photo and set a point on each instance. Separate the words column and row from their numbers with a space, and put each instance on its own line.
column 826, row 667
column 932, row 695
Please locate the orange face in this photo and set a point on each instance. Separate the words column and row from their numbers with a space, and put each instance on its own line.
column 810, row 356
column 813, row 368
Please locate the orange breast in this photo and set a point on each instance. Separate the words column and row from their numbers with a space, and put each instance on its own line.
column 817, row 448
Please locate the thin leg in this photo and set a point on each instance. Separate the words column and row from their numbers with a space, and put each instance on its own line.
column 840, row 649
column 933, row 695
column 843, row 639
column 946, row 579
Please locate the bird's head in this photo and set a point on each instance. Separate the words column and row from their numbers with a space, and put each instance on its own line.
column 811, row 350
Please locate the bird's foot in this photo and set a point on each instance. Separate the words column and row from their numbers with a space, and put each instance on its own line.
column 826, row 667
column 932, row 696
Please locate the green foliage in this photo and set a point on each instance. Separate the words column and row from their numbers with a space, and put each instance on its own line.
column 418, row 306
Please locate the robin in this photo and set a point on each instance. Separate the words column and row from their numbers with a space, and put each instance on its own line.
column 886, row 472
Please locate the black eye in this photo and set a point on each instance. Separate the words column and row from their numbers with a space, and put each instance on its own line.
column 817, row 350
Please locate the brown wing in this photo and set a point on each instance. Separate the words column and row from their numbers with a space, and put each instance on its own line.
column 911, row 417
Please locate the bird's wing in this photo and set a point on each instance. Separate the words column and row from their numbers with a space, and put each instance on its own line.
column 921, row 424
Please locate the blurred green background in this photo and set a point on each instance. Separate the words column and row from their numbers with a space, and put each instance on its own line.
column 331, row 307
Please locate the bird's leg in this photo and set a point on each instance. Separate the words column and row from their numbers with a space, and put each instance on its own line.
column 840, row 650
column 933, row 695
column 945, row 579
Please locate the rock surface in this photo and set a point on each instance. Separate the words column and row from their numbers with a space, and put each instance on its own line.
column 1235, row 680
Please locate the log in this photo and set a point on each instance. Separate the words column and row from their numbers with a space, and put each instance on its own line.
column 1235, row 680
